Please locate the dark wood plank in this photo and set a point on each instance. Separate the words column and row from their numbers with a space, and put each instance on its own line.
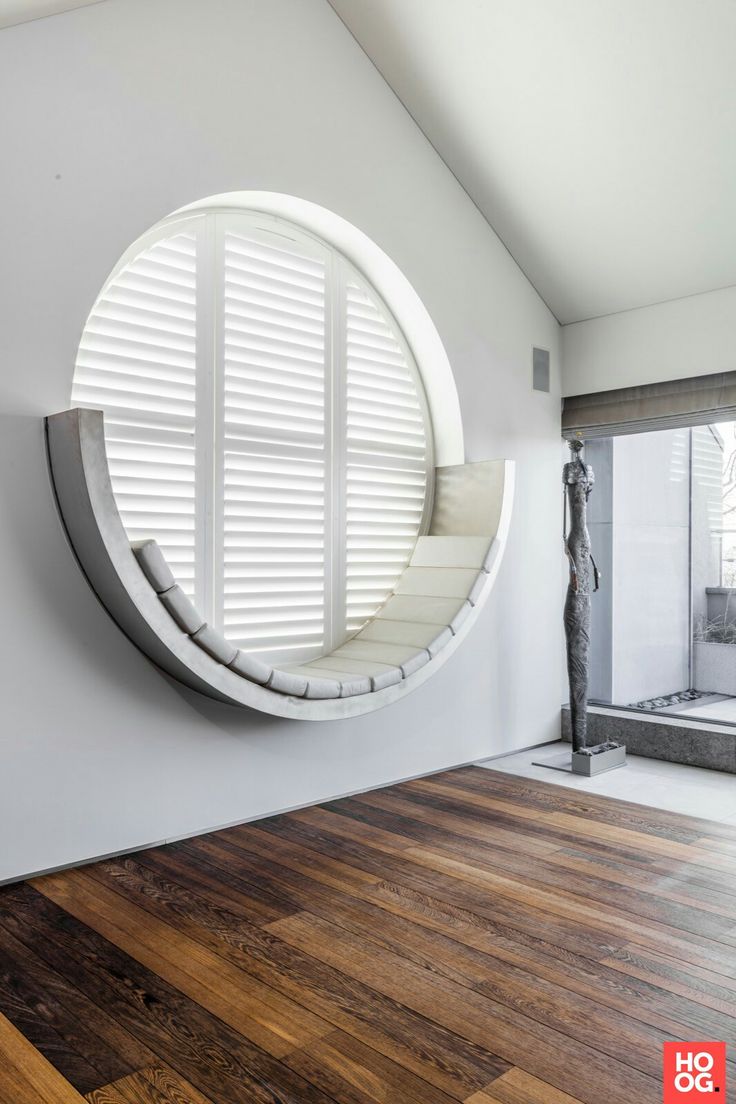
column 258, row 907
column 25, row 1075
column 85, row 1044
column 204, row 1050
column 354, row 912
column 548, row 796
column 22, row 1005
column 468, row 955
column 715, row 922
column 554, row 829
column 256, row 1011
column 544, row 1050
column 654, row 866
column 721, row 900
column 717, row 954
column 356, row 1074
column 468, row 937
column 438, row 1056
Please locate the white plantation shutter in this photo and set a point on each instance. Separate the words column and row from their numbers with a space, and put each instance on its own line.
column 137, row 363
column 274, row 445
column 265, row 423
column 386, row 456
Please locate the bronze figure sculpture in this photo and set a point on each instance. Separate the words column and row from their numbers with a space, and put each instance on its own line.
column 578, row 479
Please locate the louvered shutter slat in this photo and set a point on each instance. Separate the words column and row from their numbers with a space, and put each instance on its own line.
column 277, row 318
column 137, row 362
column 274, row 321
column 386, row 480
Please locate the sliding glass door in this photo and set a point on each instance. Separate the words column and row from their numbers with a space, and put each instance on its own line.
column 662, row 519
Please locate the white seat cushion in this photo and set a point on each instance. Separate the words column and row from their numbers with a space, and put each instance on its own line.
column 433, row 597
column 411, row 633
column 153, row 565
column 477, row 588
column 460, row 616
column 350, row 684
column 380, row 674
column 390, row 677
column 288, row 682
column 415, row 607
column 409, row 659
column 215, row 644
column 182, row 610
column 322, row 688
column 378, row 651
column 440, row 582
column 444, row 637
column 493, row 552
column 417, row 661
column 251, row 668
column 464, row 552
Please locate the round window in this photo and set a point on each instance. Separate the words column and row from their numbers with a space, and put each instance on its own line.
column 265, row 422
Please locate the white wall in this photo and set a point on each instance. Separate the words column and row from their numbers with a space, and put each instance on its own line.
column 674, row 340
column 122, row 112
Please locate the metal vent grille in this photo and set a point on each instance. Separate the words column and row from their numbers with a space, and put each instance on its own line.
column 540, row 369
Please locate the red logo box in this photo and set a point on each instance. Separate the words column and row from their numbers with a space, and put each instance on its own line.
column 694, row 1072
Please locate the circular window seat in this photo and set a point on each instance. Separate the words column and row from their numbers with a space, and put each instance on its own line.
column 431, row 609
column 435, row 594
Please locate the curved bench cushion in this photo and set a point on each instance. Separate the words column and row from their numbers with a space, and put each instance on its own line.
column 153, row 565
column 424, row 609
column 471, row 506
column 380, row 674
column 416, row 634
column 462, row 551
column 320, row 687
column 432, row 598
column 349, row 683
column 288, row 682
column 251, row 668
column 182, row 610
column 440, row 582
column 376, row 651
column 215, row 644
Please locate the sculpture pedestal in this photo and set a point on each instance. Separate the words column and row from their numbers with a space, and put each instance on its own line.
column 602, row 758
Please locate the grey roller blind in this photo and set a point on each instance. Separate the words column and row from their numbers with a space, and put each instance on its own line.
column 684, row 402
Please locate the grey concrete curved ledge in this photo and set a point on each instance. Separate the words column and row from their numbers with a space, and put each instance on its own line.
column 426, row 618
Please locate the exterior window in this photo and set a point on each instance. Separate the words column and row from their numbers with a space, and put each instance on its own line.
column 662, row 523
column 265, row 422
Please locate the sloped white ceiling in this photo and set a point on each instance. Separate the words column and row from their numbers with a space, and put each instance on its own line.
column 598, row 137
column 23, row 11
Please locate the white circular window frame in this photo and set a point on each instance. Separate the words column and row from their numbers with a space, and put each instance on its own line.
column 379, row 270
column 317, row 227
column 82, row 482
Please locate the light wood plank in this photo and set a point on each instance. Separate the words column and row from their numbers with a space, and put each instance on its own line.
column 518, row 1087
column 257, row 1012
column 405, row 945
column 157, row 1085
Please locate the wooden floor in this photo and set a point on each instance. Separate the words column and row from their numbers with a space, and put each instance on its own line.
column 467, row 937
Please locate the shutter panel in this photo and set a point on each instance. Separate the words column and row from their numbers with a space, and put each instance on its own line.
column 273, row 525
column 137, row 363
column 386, row 456
column 264, row 423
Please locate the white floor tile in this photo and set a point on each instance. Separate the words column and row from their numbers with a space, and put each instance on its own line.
column 673, row 786
column 724, row 710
